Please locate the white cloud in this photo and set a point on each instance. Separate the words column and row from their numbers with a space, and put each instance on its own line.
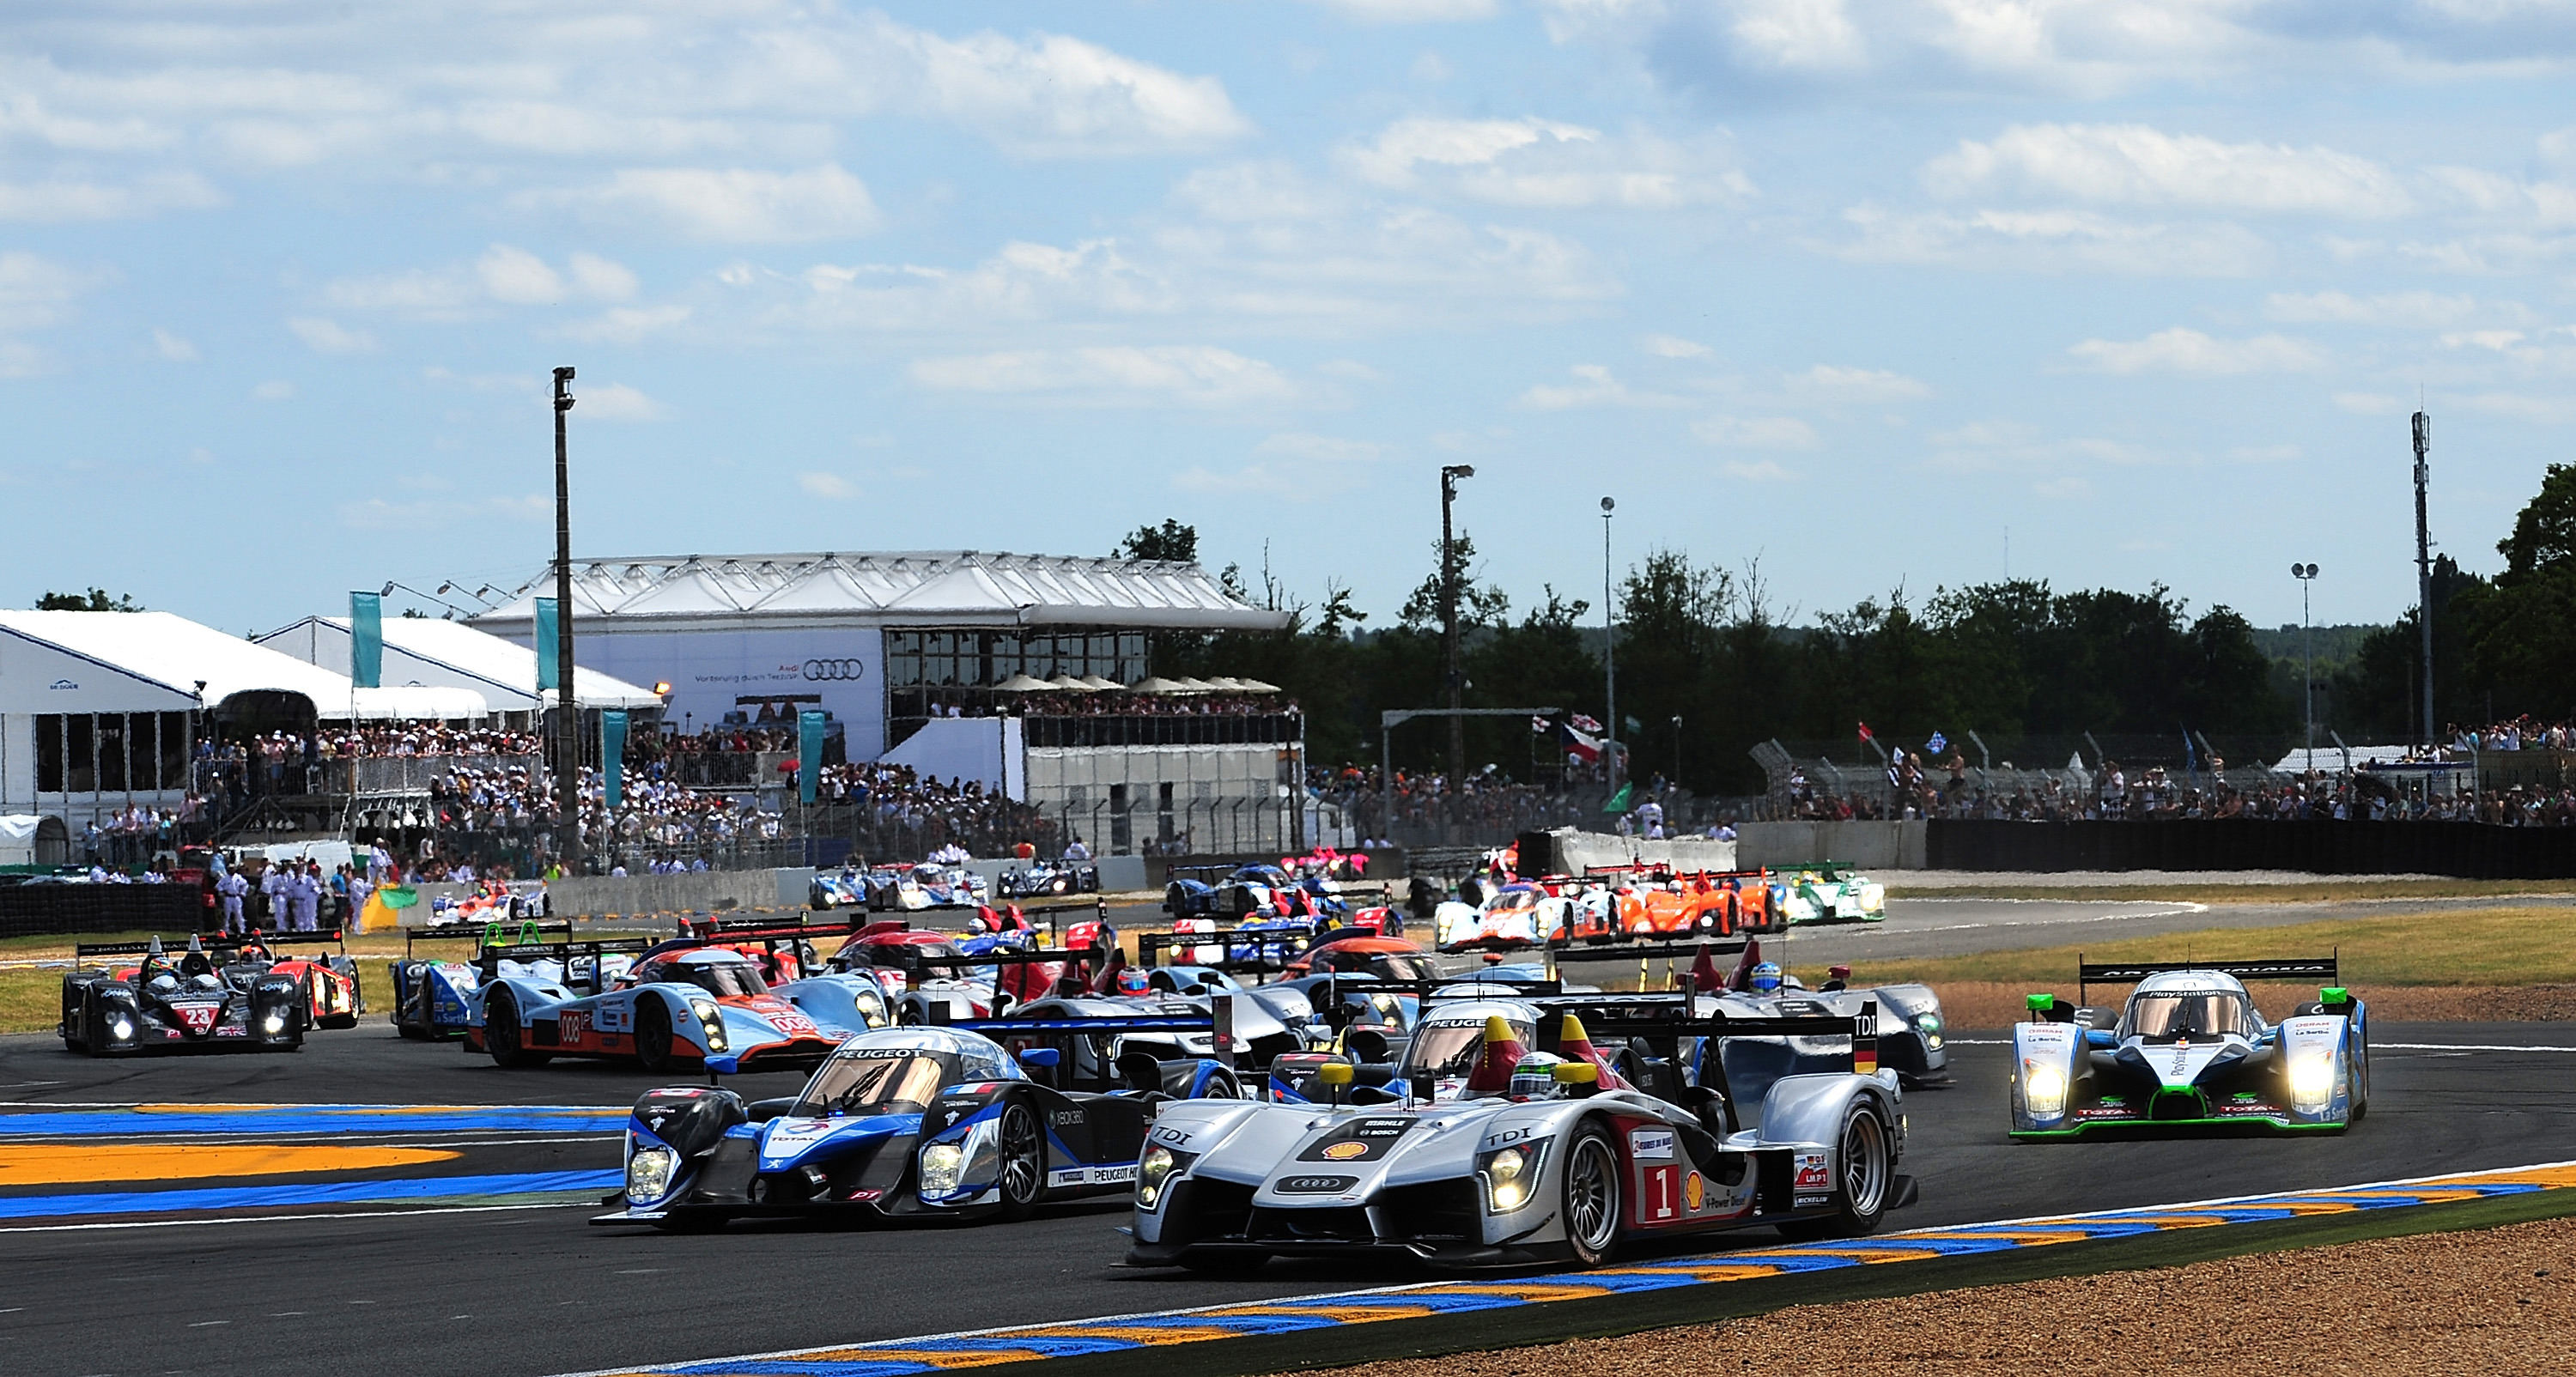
column 2184, row 350
column 2133, row 165
column 1060, row 96
column 615, row 402
column 1412, row 11
column 1593, row 386
column 2495, row 341
column 274, row 390
column 1115, row 375
column 1758, row 471
column 2419, row 310
column 1674, row 347
column 1760, row 432
column 63, row 202
column 1328, row 449
column 829, row 486
column 1545, row 164
column 2053, row 240
column 628, row 324
column 36, row 291
column 173, row 347
column 451, row 511
column 731, row 206
column 329, row 337
column 2370, row 403
column 505, row 274
column 1828, row 383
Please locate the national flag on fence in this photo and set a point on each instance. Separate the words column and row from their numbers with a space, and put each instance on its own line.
column 1540, row 726
column 1581, row 747
column 1585, row 725
column 1866, row 734
column 1937, row 744
column 1619, row 801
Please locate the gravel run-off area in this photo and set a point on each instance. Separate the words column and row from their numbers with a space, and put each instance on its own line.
column 2486, row 1302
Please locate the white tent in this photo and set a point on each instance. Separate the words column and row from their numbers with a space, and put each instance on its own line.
column 188, row 664
column 426, row 651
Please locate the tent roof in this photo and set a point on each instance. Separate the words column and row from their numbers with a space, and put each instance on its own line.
column 166, row 649
column 503, row 671
column 954, row 587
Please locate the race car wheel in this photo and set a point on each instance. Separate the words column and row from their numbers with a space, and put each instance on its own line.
column 653, row 1034
column 1223, row 1086
column 910, row 1014
column 1592, row 1207
column 1023, row 1164
column 502, row 1034
column 1868, row 1163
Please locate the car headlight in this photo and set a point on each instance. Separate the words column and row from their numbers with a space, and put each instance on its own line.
column 1929, row 1025
column 1154, row 1173
column 713, row 1018
column 1510, row 1177
column 2312, row 1082
column 273, row 1025
column 2043, row 1090
column 648, row 1174
column 123, row 1028
column 941, row 1166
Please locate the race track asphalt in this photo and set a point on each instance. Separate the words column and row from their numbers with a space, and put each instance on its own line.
column 531, row 1288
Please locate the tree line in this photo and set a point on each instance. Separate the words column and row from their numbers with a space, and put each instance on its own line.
column 2015, row 661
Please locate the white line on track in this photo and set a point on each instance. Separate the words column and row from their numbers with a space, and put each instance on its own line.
column 288, row 1218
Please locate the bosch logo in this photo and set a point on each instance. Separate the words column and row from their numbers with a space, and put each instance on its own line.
column 823, row 671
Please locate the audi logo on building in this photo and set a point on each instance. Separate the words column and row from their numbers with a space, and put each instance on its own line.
column 827, row 670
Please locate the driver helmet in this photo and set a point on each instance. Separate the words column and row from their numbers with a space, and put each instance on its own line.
column 1766, row 977
column 977, row 925
column 1133, row 981
column 1534, row 1078
column 163, row 982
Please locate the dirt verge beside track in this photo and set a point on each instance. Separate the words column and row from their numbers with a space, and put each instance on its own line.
column 2497, row 1300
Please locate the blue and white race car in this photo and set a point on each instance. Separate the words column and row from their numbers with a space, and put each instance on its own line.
column 694, row 1001
column 919, row 1122
column 2190, row 1051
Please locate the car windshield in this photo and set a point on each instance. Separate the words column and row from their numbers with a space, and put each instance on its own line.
column 721, row 980
column 1511, row 899
column 1449, row 1049
column 1406, row 966
column 877, row 1080
column 2196, row 1015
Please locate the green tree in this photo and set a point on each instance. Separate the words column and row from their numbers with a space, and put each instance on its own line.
column 95, row 600
column 1171, row 541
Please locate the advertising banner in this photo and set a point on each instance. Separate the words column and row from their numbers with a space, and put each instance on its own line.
column 759, row 679
column 809, row 752
column 367, row 640
column 549, row 650
column 612, row 756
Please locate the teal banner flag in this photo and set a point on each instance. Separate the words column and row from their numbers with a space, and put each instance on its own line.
column 612, row 755
column 546, row 645
column 809, row 751
column 367, row 640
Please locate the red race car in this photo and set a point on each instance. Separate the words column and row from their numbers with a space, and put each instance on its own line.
column 328, row 982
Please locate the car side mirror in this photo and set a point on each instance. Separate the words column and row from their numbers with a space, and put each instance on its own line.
column 2100, row 1037
column 762, row 1111
column 1041, row 1058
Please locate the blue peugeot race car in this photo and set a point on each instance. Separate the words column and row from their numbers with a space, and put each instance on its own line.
column 2190, row 1051
column 911, row 1122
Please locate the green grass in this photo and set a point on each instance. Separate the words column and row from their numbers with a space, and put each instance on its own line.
column 31, row 998
column 2481, row 947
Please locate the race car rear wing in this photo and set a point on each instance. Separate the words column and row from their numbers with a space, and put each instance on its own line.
column 1058, row 1034
column 1270, row 951
column 1658, row 1032
column 498, row 932
column 172, row 946
column 490, row 958
column 2305, row 969
column 1644, row 951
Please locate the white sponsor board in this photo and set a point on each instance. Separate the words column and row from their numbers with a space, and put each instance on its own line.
column 712, row 673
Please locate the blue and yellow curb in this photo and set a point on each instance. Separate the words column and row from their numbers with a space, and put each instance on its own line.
column 1213, row 1324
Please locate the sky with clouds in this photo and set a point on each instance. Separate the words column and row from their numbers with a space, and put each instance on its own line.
column 1874, row 291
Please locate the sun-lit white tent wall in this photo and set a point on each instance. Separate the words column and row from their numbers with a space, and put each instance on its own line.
column 871, row 639
column 426, row 652
column 100, row 711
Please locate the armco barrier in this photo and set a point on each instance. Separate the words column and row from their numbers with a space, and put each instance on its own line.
column 35, row 910
column 2467, row 850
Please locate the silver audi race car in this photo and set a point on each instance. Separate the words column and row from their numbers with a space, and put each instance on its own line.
column 1497, row 1155
column 2190, row 1051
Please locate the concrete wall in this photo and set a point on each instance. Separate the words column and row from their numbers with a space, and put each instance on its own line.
column 1578, row 850
column 1868, row 845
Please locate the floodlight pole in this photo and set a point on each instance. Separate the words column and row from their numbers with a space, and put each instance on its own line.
column 1609, row 651
column 1449, row 476
column 2424, row 564
column 567, row 704
column 2306, row 574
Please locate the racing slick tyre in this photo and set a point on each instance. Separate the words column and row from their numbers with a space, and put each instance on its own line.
column 1592, row 1208
column 1023, row 1162
column 502, row 1034
column 1175, row 903
column 1223, row 1086
column 653, row 1034
column 1868, row 1162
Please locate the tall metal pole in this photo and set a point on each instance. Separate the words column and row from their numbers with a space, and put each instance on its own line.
column 1449, row 476
column 567, row 704
column 2424, row 564
column 1609, row 649
column 2304, row 573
